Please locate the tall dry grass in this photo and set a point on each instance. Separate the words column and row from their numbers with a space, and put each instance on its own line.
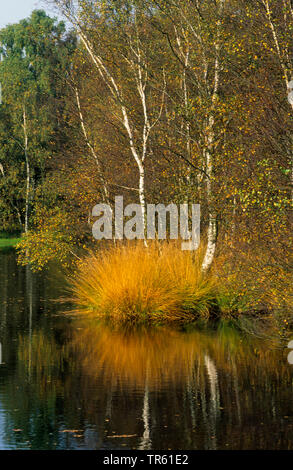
column 132, row 282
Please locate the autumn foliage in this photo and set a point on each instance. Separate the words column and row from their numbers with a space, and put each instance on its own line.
column 159, row 101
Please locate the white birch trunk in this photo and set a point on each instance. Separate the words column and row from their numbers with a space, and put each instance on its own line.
column 212, row 224
column 139, row 69
column 286, row 4
column 28, row 175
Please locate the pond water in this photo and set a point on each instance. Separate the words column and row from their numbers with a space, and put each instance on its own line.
column 70, row 383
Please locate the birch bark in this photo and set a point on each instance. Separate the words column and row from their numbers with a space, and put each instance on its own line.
column 28, row 172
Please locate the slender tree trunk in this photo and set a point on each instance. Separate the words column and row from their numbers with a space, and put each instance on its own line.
column 212, row 225
column 142, row 191
column 283, row 59
column 211, row 243
column 140, row 72
column 113, row 87
column 28, row 173
column 185, row 124
column 91, row 148
column 212, row 217
column 18, row 216
column 12, row 205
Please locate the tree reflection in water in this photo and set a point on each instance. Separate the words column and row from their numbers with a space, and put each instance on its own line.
column 69, row 383
column 161, row 388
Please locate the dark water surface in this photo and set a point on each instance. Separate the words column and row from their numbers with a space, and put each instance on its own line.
column 72, row 384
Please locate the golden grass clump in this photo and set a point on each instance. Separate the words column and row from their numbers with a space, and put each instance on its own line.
column 132, row 282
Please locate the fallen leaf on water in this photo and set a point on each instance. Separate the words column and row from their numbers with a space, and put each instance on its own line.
column 72, row 430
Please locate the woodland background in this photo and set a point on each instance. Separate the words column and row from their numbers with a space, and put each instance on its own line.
column 158, row 101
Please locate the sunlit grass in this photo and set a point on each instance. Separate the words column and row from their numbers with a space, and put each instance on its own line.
column 135, row 283
column 8, row 242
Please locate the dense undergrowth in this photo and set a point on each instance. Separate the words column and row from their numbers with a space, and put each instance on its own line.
column 161, row 283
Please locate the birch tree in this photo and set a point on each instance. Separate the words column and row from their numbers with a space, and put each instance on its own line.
column 121, row 63
column 279, row 20
column 91, row 147
column 33, row 53
column 196, row 42
column 28, row 171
